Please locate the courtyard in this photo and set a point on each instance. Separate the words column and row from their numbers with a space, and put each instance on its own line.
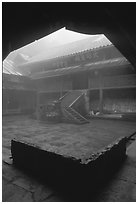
column 20, row 186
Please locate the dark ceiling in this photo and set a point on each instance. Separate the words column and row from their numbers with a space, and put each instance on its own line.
column 22, row 23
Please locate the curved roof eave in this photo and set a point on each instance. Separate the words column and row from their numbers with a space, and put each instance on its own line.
column 60, row 43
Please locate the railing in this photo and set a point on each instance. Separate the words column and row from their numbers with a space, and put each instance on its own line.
column 76, row 100
column 70, row 117
column 78, row 114
column 113, row 81
column 70, row 98
column 63, row 96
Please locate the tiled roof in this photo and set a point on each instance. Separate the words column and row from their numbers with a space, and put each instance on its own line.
column 58, row 44
column 72, row 48
column 9, row 68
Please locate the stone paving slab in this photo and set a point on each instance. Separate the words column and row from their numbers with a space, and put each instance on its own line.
column 126, row 192
column 66, row 139
column 17, row 186
column 12, row 193
column 42, row 193
column 122, row 188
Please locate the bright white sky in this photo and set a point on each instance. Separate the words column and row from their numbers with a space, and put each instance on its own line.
column 64, row 36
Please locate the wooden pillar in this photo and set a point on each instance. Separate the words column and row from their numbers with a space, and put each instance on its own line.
column 61, row 86
column 100, row 94
column 87, row 101
column 89, row 81
column 7, row 100
column 101, row 100
column 37, row 105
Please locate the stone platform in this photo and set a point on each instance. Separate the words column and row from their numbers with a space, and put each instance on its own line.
column 72, row 141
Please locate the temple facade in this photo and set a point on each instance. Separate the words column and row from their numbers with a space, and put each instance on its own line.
column 92, row 65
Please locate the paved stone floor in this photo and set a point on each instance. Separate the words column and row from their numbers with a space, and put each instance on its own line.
column 18, row 186
column 78, row 141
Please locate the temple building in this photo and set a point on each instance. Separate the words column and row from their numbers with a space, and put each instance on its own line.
column 86, row 72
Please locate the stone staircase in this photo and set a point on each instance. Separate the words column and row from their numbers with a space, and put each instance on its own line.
column 69, row 98
column 76, row 117
column 69, row 113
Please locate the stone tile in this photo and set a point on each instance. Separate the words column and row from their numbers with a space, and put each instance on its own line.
column 131, row 151
column 20, row 197
column 54, row 198
column 12, row 193
column 123, row 194
column 6, row 142
column 27, row 197
column 122, row 187
column 4, row 182
column 41, row 193
column 121, row 191
column 130, row 161
column 127, row 173
column 10, row 173
column 23, row 183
